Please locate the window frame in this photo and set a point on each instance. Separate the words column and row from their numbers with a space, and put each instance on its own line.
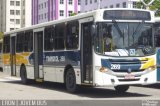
column 61, row 1
column 17, row 3
column 11, row 3
column 70, row 2
column 61, row 13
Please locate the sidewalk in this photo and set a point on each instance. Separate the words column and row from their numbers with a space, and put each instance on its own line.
column 4, row 77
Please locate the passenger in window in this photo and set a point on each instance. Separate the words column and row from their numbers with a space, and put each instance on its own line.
column 143, row 39
column 69, row 41
column 107, row 42
column 75, row 43
column 72, row 41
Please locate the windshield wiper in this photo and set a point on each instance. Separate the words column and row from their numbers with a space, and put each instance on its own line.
column 118, row 29
column 138, row 28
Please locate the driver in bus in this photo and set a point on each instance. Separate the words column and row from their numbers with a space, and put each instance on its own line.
column 107, row 42
column 143, row 38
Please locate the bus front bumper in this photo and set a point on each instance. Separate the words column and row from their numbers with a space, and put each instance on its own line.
column 104, row 79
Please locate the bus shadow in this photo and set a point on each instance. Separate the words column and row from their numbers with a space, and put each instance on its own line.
column 83, row 91
column 153, row 86
column 108, row 93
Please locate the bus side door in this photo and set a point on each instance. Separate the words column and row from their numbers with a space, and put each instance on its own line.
column 38, row 53
column 13, row 55
column 86, row 51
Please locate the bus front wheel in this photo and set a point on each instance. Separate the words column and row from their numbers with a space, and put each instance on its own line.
column 121, row 88
column 23, row 75
column 70, row 81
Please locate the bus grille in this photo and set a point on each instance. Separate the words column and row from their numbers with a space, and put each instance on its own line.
column 125, row 71
column 125, row 64
column 129, row 79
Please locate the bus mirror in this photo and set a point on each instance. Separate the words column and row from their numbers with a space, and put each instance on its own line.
column 93, row 32
column 93, row 29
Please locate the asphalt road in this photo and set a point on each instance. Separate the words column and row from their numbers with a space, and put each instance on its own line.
column 12, row 89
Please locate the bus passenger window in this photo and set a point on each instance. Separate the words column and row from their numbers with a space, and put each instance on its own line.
column 20, row 42
column 59, row 36
column 49, row 38
column 28, row 42
column 72, row 35
column 6, row 45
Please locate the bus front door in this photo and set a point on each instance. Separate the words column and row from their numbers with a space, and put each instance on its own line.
column 86, row 53
column 13, row 56
column 38, row 55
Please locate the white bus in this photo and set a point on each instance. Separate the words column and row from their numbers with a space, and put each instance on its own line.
column 105, row 47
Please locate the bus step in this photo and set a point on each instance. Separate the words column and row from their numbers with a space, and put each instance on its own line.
column 85, row 84
column 85, row 81
column 39, row 80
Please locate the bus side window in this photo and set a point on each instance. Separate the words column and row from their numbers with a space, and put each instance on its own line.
column 72, row 35
column 28, row 42
column 59, row 36
column 20, row 42
column 49, row 38
column 6, row 45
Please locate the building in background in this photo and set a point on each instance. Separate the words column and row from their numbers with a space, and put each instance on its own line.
column 14, row 14
column 26, row 13
column 2, row 16
column 89, row 5
column 47, row 10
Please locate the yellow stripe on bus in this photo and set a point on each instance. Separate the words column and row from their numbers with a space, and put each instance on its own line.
column 149, row 63
column 19, row 58
column 6, row 59
column 22, row 58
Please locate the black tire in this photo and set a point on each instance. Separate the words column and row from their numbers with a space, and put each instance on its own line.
column 70, row 81
column 121, row 88
column 23, row 75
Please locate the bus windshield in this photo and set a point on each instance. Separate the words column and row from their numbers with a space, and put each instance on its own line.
column 124, row 39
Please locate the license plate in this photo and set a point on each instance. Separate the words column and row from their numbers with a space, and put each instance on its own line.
column 129, row 76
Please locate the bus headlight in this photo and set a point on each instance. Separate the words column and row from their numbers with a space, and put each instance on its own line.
column 102, row 69
column 152, row 68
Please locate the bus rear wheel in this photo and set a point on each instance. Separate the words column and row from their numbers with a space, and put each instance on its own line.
column 70, row 81
column 23, row 75
column 121, row 88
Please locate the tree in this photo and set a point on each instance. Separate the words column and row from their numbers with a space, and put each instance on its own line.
column 155, row 6
column 73, row 14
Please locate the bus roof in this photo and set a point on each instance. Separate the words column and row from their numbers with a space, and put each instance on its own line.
column 79, row 16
